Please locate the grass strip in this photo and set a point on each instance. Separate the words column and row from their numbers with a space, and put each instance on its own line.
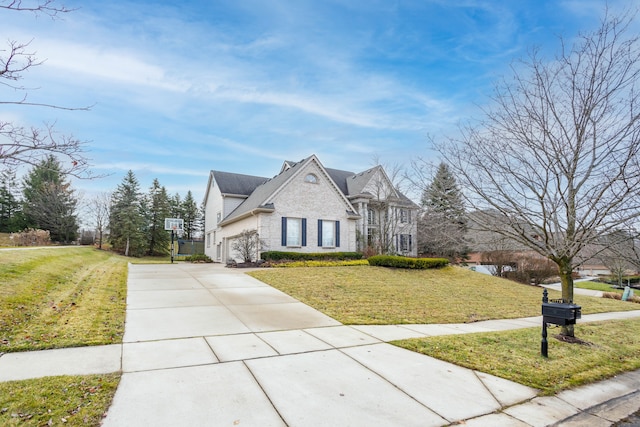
column 609, row 348
column 385, row 296
column 65, row 297
column 63, row 400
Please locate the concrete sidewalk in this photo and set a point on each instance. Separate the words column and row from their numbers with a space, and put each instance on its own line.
column 207, row 345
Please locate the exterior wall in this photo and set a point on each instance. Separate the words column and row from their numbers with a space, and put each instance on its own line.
column 213, row 204
column 300, row 199
column 214, row 236
column 230, row 203
column 379, row 186
column 228, row 233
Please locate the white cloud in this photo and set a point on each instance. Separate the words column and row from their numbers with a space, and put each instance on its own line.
column 149, row 167
column 106, row 64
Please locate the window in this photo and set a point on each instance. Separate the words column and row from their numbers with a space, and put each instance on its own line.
column 405, row 242
column 294, row 231
column 371, row 216
column 208, row 240
column 219, row 217
column 328, row 233
column 405, row 216
column 311, row 179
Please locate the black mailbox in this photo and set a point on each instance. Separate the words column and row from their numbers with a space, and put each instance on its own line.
column 560, row 313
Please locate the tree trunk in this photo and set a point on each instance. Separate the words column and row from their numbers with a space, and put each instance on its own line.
column 565, row 268
column 126, row 249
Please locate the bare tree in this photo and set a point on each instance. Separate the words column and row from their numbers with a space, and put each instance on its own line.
column 99, row 210
column 501, row 261
column 556, row 156
column 247, row 244
column 30, row 144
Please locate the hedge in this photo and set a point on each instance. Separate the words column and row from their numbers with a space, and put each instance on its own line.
column 299, row 256
column 350, row 263
column 405, row 262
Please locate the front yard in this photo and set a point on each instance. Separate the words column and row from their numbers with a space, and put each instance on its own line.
column 51, row 298
column 383, row 296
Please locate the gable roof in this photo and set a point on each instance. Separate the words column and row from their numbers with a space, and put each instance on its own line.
column 259, row 199
column 259, row 190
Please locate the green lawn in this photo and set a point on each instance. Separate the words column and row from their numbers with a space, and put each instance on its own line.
column 611, row 348
column 381, row 296
column 52, row 298
column 57, row 401
column 376, row 295
column 65, row 297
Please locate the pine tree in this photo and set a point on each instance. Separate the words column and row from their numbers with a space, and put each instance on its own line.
column 49, row 202
column 190, row 213
column 442, row 224
column 175, row 206
column 159, row 208
column 126, row 220
column 11, row 219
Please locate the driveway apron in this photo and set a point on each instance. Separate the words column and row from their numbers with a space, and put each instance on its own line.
column 205, row 345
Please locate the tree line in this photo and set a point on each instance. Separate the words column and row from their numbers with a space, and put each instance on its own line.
column 136, row 220
column 132, row 220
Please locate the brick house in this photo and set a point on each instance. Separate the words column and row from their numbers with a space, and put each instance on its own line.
column 309, row 208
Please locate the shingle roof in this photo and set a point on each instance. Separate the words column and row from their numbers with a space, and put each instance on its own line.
column 259, row 189
column 235, row 183
column 340, row 177
column 261, row 192
column 356, row 183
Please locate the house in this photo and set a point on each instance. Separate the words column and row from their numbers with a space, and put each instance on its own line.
column 309, row 208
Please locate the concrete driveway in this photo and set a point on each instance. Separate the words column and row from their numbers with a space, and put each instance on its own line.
column 208, row 345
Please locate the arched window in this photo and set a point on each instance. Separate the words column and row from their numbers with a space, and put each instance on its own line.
column 311, row 179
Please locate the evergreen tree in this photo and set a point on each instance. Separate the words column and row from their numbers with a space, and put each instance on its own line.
column 191, row 214
column 442, row 224
column 49, row 202
column 159, row 208
column 200, row 221
column 126, row 220
column 11, row 218
column 176, row 204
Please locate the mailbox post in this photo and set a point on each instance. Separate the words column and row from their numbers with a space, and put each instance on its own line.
column 557, row 312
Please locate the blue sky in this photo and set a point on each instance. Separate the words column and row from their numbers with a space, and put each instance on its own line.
column 180, row 88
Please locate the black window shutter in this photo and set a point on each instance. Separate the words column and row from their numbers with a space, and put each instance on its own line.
column 304, row 231
column 284, row 231
column 319, row 232
column 337, row 234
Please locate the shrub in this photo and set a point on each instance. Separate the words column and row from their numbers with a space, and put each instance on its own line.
column 618, row 296
column 198, row 258
column 317, row 256
column 322, row 263
column 31, row 237
column 405, row 262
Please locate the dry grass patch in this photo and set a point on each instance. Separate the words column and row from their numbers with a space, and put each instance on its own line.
column 61, row 297
column 613, row 347
column 66, row 400
column 378, row 296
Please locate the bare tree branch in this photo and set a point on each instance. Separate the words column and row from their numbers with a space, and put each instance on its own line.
column 45, row 7
column 28, row 145
column 556, row 156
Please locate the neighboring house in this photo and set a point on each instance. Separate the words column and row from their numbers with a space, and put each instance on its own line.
column 490, row 247
column 308, row 208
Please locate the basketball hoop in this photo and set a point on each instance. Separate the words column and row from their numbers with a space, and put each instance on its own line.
column 174, row 224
